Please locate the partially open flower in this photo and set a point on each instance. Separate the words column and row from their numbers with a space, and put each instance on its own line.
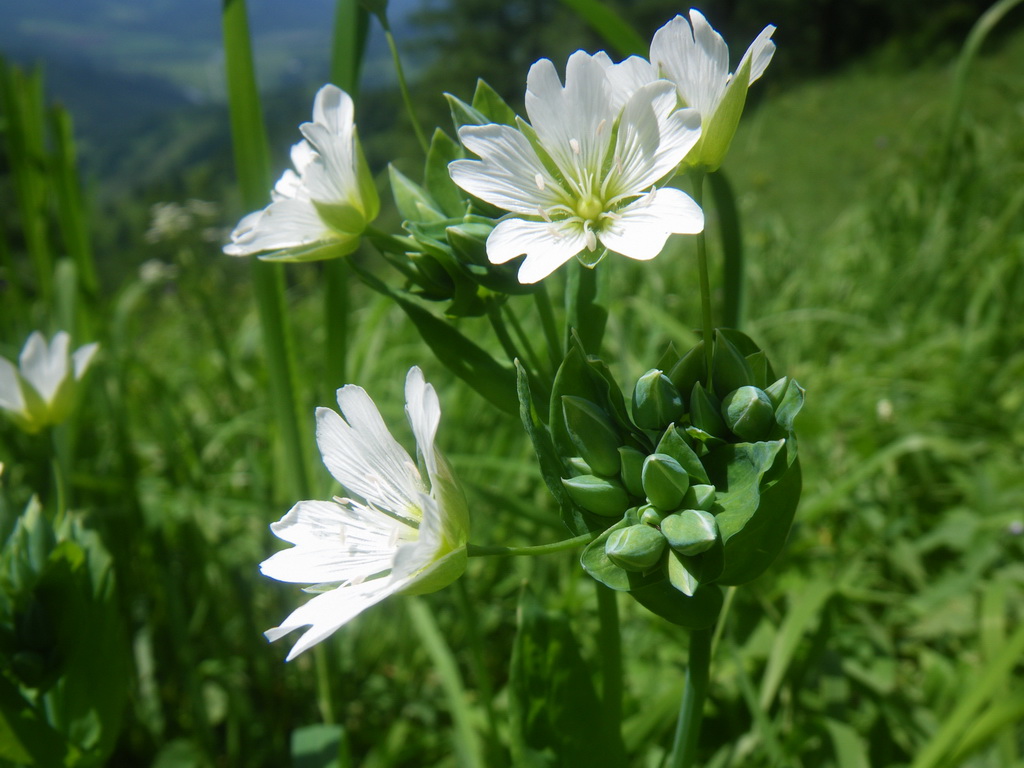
column 321, row 209
column 401, row 534
column 40, row 390
column 581, row 179
column 695, row 57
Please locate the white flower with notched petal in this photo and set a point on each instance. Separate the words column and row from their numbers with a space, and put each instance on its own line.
column 321, row 209
column 401, row 535
column 39, row 391
column 695, row 57
column 581, row 175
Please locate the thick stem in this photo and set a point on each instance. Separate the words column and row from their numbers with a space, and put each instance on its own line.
column 691, row 712
column 705, row 282
column 547, row 319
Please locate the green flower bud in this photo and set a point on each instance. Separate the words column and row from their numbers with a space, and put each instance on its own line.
column 690, row 369
column 593, row 434
column 649, row 514
column 731, row 368
column 579, row 466
column 600, row 495
column 749, row 413
column 691, row 531
column 656, row 401
column 777, row 391
column 704, row 411
column 632, row 516
column 676, row 444
column 636, row 548
column 631, row 466
column 699, row 497
column 665, row 481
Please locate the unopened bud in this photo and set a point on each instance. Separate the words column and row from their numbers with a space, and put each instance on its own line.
column 731, row 368
column 699, row 497
column 600, row 495
column 636, row 548
column 665, row 481
column 704, row 411
column 650, row 515
column 748, row 413
column 593, row 434
column 656, row 401
column 631, row 463
column 690, row 532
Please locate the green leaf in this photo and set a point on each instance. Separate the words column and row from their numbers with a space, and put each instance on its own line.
column 464, row 114
column 25, row 737
column 658, row 595
column 320, row 746
column 556, row 716
column 490, row 104
column 443, row 150
column 596, row 562
column 412, row 200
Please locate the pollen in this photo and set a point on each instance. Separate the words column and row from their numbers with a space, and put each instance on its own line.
column 538, row 179
column 575, row 146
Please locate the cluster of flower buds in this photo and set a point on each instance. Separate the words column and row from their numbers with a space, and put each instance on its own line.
column 694, row 485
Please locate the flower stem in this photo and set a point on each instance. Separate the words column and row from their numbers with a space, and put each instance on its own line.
column 702, row 266
column 609, row 642
column 547, row 318
column 477, row 550
column 691, row 712
column 403, row 86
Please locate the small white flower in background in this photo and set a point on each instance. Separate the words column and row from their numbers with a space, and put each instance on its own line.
column 695, row 57
column 321, row 209
column 402, row 534
column 580, row 178
column 40, row 390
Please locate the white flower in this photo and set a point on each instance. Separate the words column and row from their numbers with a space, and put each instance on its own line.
column 320, row 209
column 695, row 57
column 582, row 174
column 39, row 391
column 400, row 535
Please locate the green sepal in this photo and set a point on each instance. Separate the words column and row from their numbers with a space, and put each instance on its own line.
column 699, row 497
column 593, row 434
column 656, row 401
column 601, row 495
column 635, row 548
column 758, row 362
column 674, row 444
column 649, row 514
column 718, row 129
column 687, row 572
column 596, row 562
column 463, row 114
column 665, row 481
column 690, row 532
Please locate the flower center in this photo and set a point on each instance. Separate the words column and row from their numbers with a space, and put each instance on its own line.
column 589, row 208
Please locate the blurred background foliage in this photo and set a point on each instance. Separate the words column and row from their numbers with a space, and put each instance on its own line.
column 885, row 264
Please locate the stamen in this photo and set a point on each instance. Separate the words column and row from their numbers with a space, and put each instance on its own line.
column 589, row 237
column 539, row 181
column 600, row 126
column 574, row 145
column 544, row 215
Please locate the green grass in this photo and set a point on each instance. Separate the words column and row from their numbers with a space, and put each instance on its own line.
column 887, row 634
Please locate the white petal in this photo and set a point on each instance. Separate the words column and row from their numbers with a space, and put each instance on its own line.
column 507, row 176
column 327, row 612
column 363, row 456
column 282, row 224
column 626, row 77
column 547, row 246
column 644, row 225
column 289, row 187
column 333, row 109
column 10, row 390
column 567, row 119
column 423, row 410
column 761, row 51
column 696, row 58
column 331, row 177
column 302, row 154
column 45, row 367
column 82, row 358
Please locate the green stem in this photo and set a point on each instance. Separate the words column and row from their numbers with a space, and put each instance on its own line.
column 501, row 331
column 337, row 304
column 524, row 339
column 477, row 550
column 705, row 283
column 610, row 645
column 323, row 684
column 547, row 319
column 731, row 238
column 691, row 712
column 483, row 680
column 403, row 86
